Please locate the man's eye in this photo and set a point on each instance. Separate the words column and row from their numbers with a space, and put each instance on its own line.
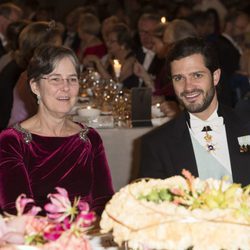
column 197, row 75
column 177, row 78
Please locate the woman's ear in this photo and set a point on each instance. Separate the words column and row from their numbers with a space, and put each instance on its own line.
column 34, row 87
column 216, row 76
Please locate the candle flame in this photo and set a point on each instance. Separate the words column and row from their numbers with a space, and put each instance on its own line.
column 163, row 19
column 117, row 68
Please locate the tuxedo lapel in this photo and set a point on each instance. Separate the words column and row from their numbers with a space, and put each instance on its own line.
column 239, row 161
column 140, row 55
column 182, row 148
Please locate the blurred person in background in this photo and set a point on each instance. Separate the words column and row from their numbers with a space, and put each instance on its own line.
column 9, row 13
column 89, row 28
column 164, row 37
column 120, row 47
column 70, row 36
column 230, row 49
column 49, row 150
column 12, row 35
column 33, row 35
column 107, row 26
column 145, row 55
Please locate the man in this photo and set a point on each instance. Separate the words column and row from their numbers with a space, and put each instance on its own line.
column 146, row 56
column 8, row 13
column 229, row 47
column 206, row 138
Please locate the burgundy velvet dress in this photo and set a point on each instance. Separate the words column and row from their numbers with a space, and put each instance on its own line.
column 35, row 165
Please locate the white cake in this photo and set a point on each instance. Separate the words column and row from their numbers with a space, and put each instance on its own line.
column 205, row 215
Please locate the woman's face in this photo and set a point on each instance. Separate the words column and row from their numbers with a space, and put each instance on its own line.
column 112, row 44
column 58, row 90
column 159, row 47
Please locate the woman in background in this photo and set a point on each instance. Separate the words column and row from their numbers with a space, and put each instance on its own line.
column 120, row 47
column 89, row 30
column 31, row 37
column 49, row 150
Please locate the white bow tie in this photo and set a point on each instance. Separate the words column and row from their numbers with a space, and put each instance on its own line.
column 198, row 125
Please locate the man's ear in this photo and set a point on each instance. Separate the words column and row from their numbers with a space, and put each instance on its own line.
column 216, row 76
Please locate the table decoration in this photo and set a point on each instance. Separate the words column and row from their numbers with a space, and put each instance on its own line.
column 117, row 70
column 89, row 113
column 180, row 213
column 64, row 226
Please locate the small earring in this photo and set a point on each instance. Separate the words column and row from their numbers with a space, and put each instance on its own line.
column 38, row 99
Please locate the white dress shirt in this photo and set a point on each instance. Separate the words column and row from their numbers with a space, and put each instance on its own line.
column 219, row 138
column 149, row 56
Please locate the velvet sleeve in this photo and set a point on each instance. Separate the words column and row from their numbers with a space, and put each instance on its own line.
column 102, row 189
column 14, row 178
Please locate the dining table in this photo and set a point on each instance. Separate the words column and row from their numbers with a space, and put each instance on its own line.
column 122, row 147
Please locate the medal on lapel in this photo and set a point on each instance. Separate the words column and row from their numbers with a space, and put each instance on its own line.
column 208, row 138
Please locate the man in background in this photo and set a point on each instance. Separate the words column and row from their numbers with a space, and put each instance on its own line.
column 145, row 55
column 9, row 13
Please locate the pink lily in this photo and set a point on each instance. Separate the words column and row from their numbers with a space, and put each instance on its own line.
column 60, row 206
column 86, row 218
column 21, row 203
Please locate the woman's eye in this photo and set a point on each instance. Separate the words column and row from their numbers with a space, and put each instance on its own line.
column 55, row 79
column 73, row 79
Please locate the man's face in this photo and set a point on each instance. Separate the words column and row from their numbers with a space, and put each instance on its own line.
column 6, row 20
column 146, row 28
column 195, row 85
column 239, row 28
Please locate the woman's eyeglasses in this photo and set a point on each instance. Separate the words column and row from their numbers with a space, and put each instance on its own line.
column 58, row 80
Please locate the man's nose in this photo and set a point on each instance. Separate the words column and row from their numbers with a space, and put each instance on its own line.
column 188, row 83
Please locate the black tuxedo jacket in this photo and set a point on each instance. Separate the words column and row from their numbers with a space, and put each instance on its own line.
column 156, row 64
column 168, row 149
column 2, row 49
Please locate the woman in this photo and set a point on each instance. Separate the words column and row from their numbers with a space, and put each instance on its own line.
column 119, row 44
column 32, row 36
column 49, row 150
column 88, row 30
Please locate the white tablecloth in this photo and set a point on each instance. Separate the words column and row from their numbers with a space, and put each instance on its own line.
column 122, row 150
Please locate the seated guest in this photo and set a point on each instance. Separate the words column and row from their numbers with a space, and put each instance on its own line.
column 88, row 30
column 24, row 104
column 49, row 150
column 12, row 34
column 119, row 44
column 144, row 52
column 9, row 13
column 242, row 107
column 229, row 46
column 205, row 138
column 164, row 36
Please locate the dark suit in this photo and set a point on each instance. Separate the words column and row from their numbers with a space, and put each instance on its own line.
column 2, row 49
column 229, row 58
column 75, row 44
column 156, row 64
column 168, row 149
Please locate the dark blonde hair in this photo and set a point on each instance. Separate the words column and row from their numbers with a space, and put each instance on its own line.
column 34, row 35
column 89, row 23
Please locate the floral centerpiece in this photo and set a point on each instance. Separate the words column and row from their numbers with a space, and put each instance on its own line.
column 180, row 213
column 63, row 227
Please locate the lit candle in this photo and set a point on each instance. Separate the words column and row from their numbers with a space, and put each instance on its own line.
column 88, row 107
column 117, row 68
column 163, row 19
